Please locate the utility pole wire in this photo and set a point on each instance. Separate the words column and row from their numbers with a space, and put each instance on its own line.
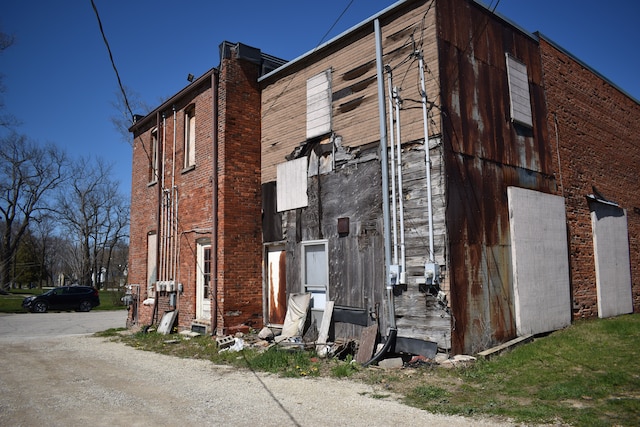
column 113, row 64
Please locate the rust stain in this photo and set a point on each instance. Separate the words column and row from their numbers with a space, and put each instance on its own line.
column 484, row 153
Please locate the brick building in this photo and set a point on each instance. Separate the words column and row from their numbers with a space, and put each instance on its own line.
column 593, row 131
column 195, row 200
column 509, row 206
column 434, row 170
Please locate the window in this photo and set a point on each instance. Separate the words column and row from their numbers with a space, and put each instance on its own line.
column 206, row 271
column 203, row 279
column 190, row 137
column 153, row 156
column 319, row 104
column 152, row 266
column 519, row 92
column 315, row 274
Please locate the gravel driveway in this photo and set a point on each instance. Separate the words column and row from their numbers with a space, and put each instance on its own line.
column 76, row 380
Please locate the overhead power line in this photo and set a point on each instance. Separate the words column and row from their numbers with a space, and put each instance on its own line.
column 113, row 64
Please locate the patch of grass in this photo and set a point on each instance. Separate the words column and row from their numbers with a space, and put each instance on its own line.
column 345, row 369
column 585, row 375
column 12, row 303
column 112, row 332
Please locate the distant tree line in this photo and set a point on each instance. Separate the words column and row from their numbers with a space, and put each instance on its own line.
column 61, row 219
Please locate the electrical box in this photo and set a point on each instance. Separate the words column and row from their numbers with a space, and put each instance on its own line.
column 431, row 273
column 394, row 274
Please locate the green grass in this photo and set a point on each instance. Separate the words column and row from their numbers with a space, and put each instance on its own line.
column 585, row 375
column 12, row 303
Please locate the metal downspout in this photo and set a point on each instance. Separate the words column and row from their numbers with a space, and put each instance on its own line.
column 213, row 285
column 393, row 171
column 174, row 201
column 426, row 153
column 403, row 257
column 385, row 175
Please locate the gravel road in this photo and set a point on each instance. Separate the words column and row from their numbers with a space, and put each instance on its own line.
column 77, row 380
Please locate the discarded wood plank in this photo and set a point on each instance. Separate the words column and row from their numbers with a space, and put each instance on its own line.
column 367, row 343
column 486, row 354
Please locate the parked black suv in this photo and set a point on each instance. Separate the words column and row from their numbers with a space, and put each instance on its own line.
column 80, row 298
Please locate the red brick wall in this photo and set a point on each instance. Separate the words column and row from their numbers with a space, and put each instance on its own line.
column 598, row 134
column 143, row 216
column 194, row 199
column 239, row 210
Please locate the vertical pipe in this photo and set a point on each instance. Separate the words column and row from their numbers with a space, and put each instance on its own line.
column 173, row 195
column 394, row 210
column 213, row 283
column 163, row 237
column 426, row 153
column 403, row 256
column 385, row 175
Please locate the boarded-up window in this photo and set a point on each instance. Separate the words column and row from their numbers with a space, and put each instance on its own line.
column 190, row 137
column 540, row 261
column 319, row 104
column 613, row 263
column 519, row 92
column 152, row 265
column 292, row 185
column 153, row 156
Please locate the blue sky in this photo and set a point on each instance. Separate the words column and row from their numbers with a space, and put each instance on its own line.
column 60, row 84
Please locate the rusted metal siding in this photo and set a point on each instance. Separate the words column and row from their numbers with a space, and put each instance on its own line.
column 484, row 152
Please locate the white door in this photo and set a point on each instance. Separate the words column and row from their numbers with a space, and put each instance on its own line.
column 315, row 273
column 203, row 280
column 277, row 285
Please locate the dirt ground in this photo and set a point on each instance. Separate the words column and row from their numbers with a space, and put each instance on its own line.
column 79, row 380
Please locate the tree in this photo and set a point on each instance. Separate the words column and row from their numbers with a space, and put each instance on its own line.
column 29, row 173
column 6, row 120
column 96, row 216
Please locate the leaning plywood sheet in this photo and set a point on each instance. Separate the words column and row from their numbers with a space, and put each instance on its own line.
column 367, row 343
column 167, row 322
column 297, row 309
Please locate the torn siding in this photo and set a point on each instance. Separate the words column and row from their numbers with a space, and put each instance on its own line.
column 344, row 172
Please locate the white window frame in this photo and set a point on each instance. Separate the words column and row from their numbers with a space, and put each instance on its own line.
column 190, row 137
column 152, row 263
column 320, row 291
column 201, row 294
column 519, row 96
column 153, row 157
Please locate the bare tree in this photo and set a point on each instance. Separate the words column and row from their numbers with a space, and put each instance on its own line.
column 29, row 174
column 7, row 120
column 96, row 216
column 124, row 118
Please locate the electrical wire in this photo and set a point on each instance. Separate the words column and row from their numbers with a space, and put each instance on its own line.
column 113, row 64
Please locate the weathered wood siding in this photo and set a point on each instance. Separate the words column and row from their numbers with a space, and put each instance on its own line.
column 345, row 172
column 352, row 62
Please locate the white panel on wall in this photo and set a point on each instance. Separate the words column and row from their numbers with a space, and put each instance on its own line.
column 613, row 265
column 291, row 185
column 319, row 104
column 539, row 252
